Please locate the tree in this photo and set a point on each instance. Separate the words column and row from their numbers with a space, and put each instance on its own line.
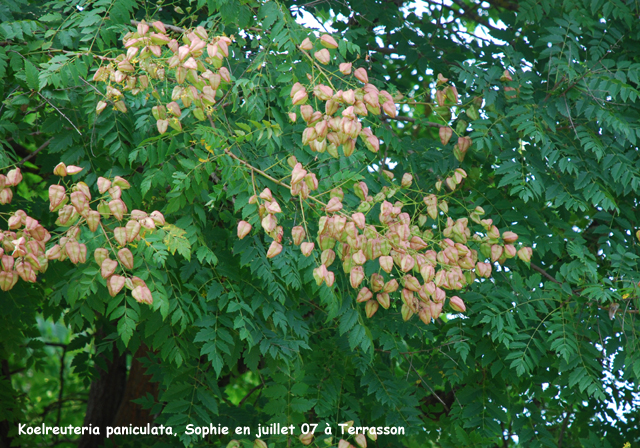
column 472, row 206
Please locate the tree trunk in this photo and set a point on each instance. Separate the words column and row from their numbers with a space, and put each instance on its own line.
column 105, row 397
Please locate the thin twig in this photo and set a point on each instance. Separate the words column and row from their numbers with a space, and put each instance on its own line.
column 177, row 29
column 60, row 112
column 34, row 153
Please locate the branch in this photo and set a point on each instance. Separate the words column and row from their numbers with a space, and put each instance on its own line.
column 545, row 273
column 34, row 153
column 259, row 386
column 413, row 120
column 177, row 29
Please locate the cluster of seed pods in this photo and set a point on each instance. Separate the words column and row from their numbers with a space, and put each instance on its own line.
column 197, row 66
column 12, row 179
column 339, row 125
column 23, row 246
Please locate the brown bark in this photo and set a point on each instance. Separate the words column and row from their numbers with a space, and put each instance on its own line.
column 105, row 397
column 138, row 385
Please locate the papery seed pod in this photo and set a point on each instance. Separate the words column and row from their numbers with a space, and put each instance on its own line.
column 509, row 251
column 266, row 195
column 272, row 207
column 361, row 75
column 445, row 133
column 509, row 237
column 407, row 262
column 299, row 98
column 363, row 295
column 483, row 269
column 323, row 56
column 407, row 180
column 53, row 253
column 14, row 177
column 162, row 125
column 6, row 195
column 390, row 286
column 386, row 263
column 126, row 258
column 327, row 257
column 8, row 280
column 274, row 249
column 307, row 248
column 82, row 258
column 345, row 68
column 389, row 108
column 328, row 41
column 370, row 308
column 142, row 294
column 115, row 283
column 384, row 300
column 60, row 170
column 377, row 282
column 157, row 217
column 525, row 254
column 243, row 229
column 120, row 234
column 79, row 201
column 408, row 299
column 8, row 261
column 457, row 304
column 108, row 267
column 132, row 229
column 356, row 276
column 329, row 278
column 148, row 223
column 306, row 45
column 306, row 439
column 56, row 196
column 412, row 283
column 72, row 169
column 319, row 274
column 298, row 235
column 100, row 254
column 72, row 249
column 496, row 252
column 117, row 208
column 424, row 313
column 359, row 258
column 334, row 205
column 269, row 223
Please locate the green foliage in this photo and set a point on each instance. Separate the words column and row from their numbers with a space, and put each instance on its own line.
column 543, row 351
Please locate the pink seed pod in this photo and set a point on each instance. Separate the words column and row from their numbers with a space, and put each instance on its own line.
column 345, row 68
column 298, row 235
column 364, row 295
column 496, row 252
column 132, row 229
column 383, row 300
column 108, row 267
column 328, row 41
column 412, row 283
column 115, row 284
column 117, row 208
column 243, row 229
column 72, row 169
column 386, row 263
column 158, row 218
column 391, row 286
column 370, row 308
column 334, row 205
column 306, row 45
column 307, row 248
column 14, row 177
column 509, row 237
column 323, row 56
column 356, row 276
column 100, row 254
column 142, row 294
column 60, row 170
column 274, row 249
column 445, row 134
column 457, row 304
column 126, row 258
column 525, row 254
column 120, row 234
column 361, row 75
